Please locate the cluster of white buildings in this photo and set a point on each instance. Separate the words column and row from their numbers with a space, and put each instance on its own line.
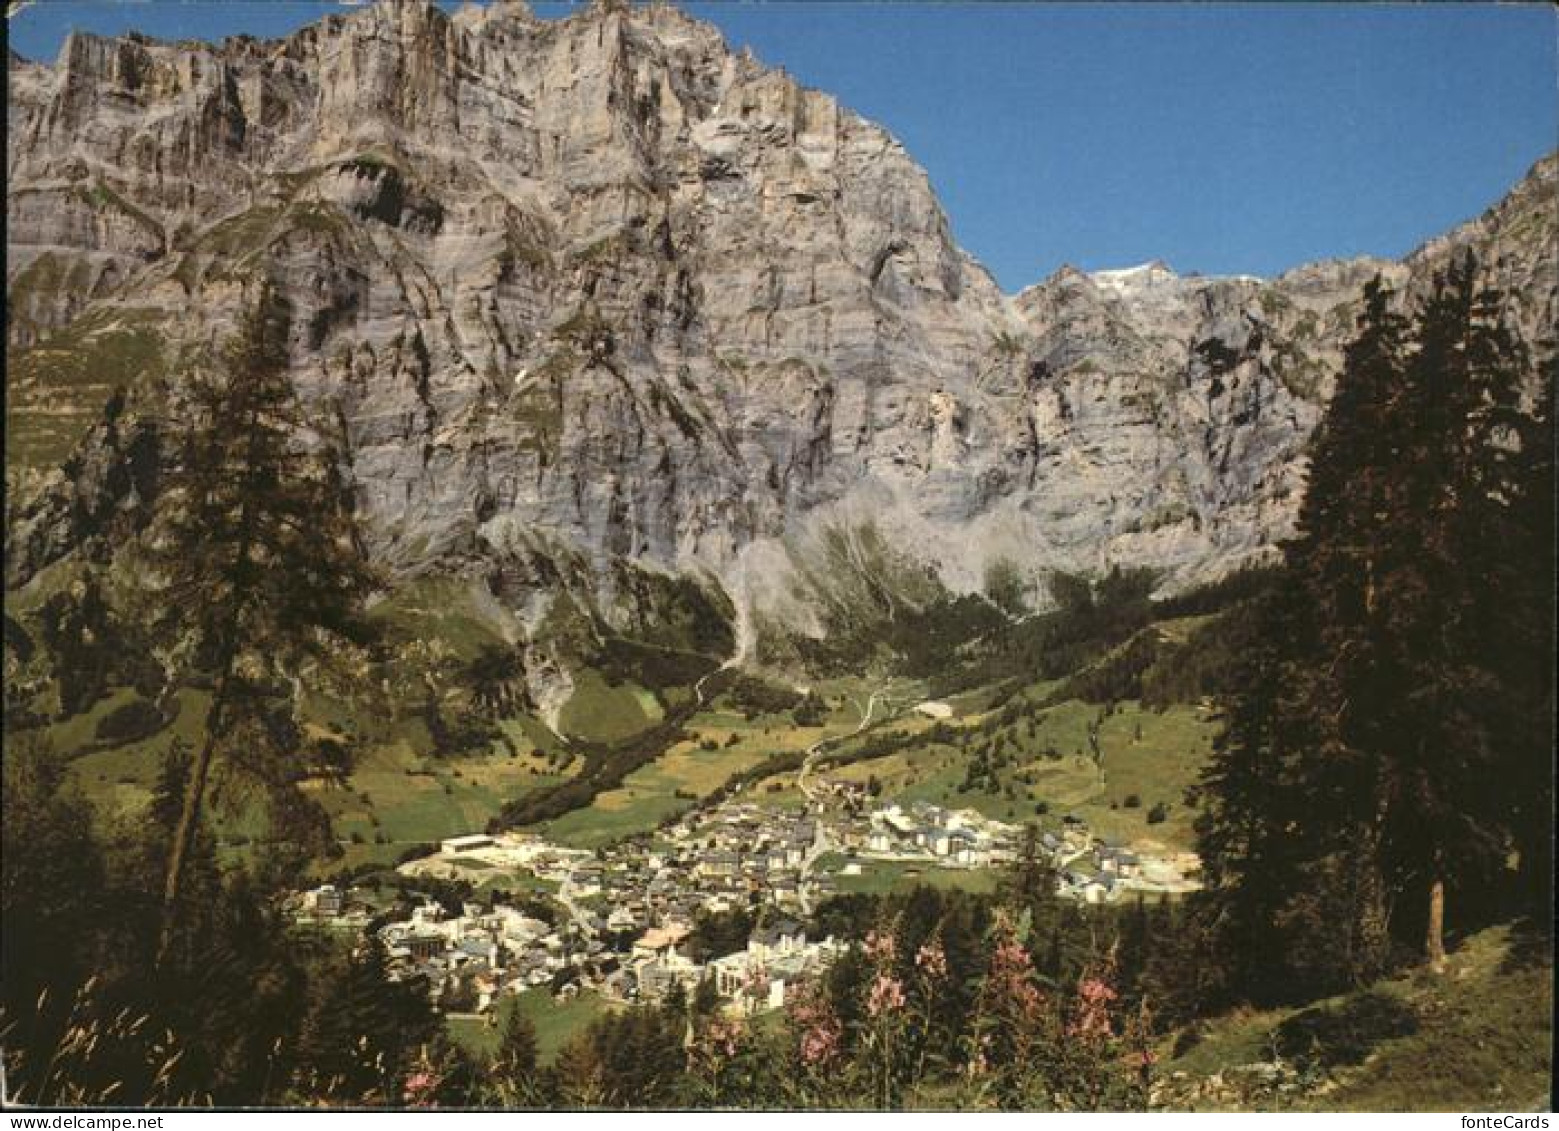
column 1096, row 870
column 777, row 956
column 472, row 959
column 959, row 838
column 625, row 913
column 727, row 858
column 1089, row 869
column 623, row 916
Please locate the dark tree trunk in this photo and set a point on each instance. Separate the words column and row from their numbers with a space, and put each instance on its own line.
column 189, row 816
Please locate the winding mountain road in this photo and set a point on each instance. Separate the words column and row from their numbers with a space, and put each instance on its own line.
column 813, row 752
column 818, row 747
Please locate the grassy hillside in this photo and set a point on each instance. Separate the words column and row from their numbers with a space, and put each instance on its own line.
column 884, row 876
column 600, row 712
column 721, row 742
column 55, row 392
column 1034, row 759
column 395, row 798
column 1478, row 1037
column 557, row 1022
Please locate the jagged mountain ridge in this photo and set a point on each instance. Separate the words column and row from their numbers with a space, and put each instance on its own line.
column 580, row 293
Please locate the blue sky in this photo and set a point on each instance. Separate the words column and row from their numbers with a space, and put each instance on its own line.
column 1219, row 138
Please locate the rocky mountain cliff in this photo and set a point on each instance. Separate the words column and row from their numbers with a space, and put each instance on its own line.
column 597, row 298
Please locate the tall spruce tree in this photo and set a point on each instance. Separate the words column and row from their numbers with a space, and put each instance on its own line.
column 515, row 1071
column 256, row 560
column 1370, row 755
column 1527, row 573
column 1288, row 818
column 1459, row 595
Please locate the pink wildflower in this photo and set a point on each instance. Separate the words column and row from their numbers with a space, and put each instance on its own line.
column 1010, row 983
column 757, row 980
column 887, row 996
column 1091, row 1016
column 806, row 1009
column 820, row 1044
column 1010, row 958
column 880, row 946
column 723, row 1036
column 419, row 1089
column 821, row 1031
column 932, row 960
column 1096, row 990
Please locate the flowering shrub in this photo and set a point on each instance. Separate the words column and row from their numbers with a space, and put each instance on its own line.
column 817, row 1027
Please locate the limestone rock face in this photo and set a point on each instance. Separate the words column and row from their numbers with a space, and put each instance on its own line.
column 600, row 290
column 1171, row 414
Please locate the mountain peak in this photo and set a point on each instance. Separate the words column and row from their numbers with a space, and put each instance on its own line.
column 1125, row 280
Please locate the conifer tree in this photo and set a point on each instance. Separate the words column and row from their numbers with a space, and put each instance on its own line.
column 53, row 872
column 1449, row 620
column 1526, row 574
column 256, row 563
column 517, row 1057
column 363, row 1029
column 1370, row 756
column 706, row 997
column 1029, row 885
column 1289, row 817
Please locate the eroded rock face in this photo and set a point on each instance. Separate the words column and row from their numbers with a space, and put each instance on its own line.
column 602, row 284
